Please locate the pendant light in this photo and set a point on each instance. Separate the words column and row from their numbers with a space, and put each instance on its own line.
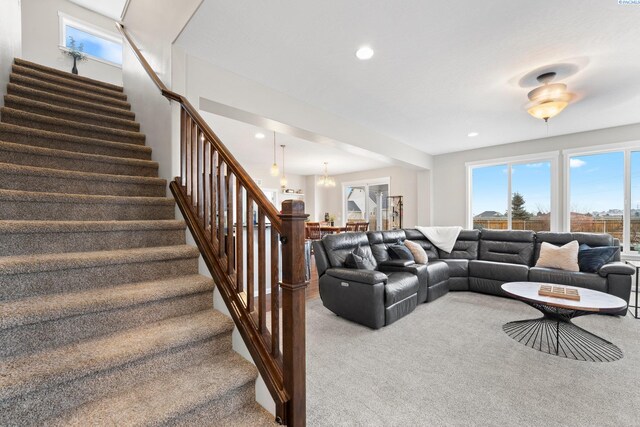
column 326, row 180
column 283, row 179
column 274, row 167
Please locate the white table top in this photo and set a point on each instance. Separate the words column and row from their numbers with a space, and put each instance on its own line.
column 590, row 300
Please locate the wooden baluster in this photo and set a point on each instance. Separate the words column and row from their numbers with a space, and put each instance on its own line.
column 183, row 147
column 250, row 272
column 293, row 288
column 221, row 206
column 262, row 274
column 189, row 153
column 201, row 177
column 275, row 294
column 239, row 237
column 206, row 179
column 194, row 166
column 229, row 197
column 214, row 196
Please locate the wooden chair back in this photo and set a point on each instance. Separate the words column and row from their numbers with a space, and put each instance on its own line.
column 351, row 226
column 313, row 230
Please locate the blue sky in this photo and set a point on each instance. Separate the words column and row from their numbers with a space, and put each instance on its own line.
column 96, row 46
column 596, row 184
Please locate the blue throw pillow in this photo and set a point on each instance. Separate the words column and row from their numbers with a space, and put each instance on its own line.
column 400, row 251
column 591, row 259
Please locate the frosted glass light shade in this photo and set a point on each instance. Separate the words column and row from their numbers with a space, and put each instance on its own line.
column 547, row 110
column 275, row 170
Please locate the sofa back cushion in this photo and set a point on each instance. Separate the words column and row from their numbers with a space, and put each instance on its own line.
column 466, row 246
column 338, row 246
column 419, row 238
column 381, row 240
column 594, row 240
column 512, row 246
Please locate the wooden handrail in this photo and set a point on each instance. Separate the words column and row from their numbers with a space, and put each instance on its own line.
column 222, row 205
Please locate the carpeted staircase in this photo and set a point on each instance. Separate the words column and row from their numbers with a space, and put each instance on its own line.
column 104, row 319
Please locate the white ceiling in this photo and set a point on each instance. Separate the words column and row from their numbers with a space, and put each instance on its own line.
column 111, row 8
column 301, row 157
column 441, row 69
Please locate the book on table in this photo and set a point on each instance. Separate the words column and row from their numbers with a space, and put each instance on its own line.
column 559, row 292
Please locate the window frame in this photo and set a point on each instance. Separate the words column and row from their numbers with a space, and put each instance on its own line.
column 626, row 148
column 363, row 182
column 64, row 20
column 509, row 162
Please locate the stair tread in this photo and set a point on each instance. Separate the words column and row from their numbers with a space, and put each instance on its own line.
column 252, row 415
column 23, row 374
column 45, row 134
column 69, row 91
column 27, row 102
column 52, row 152
column 164, row 399
column 33, row 227
column 16, row 169
column 33, row 117
column 70, row 76
column 63, row 80
column 45, row 308
column 24, row 264
column 75, row 105
column 34, row 196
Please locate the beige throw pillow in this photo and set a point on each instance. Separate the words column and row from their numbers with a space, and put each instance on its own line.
column 560, row 257
column 419, row 255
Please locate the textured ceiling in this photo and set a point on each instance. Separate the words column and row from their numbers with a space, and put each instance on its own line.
column 441, row 69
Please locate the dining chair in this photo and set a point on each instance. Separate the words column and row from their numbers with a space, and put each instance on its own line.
column 351, row 226
column 313, row 231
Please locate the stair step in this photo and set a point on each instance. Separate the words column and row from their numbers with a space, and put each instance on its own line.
column 41, row 385
column 26, row 178
column 63, row 101
column 40, row 237
column 214, row 390
column 50, row 110
column 72, row 317
column 64, row 81
column 252, row 415
column 81, row 95
column 28, row 155
column 30, row 205
column 25, row 276
column 69, row 127
column 78, row 144
column 69, row 76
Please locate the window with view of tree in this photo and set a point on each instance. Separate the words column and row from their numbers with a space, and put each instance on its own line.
column 530, row 198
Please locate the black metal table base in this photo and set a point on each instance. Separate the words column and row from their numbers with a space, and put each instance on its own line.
column 554, row 333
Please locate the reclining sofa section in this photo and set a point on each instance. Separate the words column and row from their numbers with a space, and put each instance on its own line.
column 481, row 261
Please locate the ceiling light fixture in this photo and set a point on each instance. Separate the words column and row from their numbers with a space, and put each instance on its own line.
column 326, row 180
column 259, row 135
column 472, row 134
column 283, row 179
column 274, row 167
column 548, row 100
column 364, row 53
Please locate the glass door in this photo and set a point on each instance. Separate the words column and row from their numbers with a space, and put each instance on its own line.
column 366, row 203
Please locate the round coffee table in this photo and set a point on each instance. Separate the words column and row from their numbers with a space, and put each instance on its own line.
column 554, row 333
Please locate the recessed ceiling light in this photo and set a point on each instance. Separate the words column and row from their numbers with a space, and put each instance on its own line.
column 364, row 53
column 260, row 135
column 472, row 134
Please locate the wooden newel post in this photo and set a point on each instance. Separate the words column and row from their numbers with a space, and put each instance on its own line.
column 293, row 311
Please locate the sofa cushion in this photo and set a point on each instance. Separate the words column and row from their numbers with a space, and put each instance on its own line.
column 338, row 246
column 400, row 251
column 437, row 271
column 559, row 239
column 569, row 278
column 359, row 259
column 591, row 259
column 380, row 241
column 458, row 267
column 400, row 285
column 419, row 255
column 419, row 238
column 561, row 257
column 466, row 246
column 500, row 271
column 508, row 246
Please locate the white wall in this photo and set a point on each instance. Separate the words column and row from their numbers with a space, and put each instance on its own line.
column 10, row 41
column 449, row 172
column 41, row 36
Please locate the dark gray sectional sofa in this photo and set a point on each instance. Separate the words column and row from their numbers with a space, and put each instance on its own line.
column 481, row 261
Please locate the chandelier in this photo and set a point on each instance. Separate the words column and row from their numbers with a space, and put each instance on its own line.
column 326, row 180
column 548, row 100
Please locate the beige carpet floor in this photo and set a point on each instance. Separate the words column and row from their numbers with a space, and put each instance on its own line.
column 450, row 364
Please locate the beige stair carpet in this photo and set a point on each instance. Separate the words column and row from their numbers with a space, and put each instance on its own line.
column 104, row 319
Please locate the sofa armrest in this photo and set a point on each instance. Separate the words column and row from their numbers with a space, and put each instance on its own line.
column 616, row 268
column 370, row 277
column 395, row 263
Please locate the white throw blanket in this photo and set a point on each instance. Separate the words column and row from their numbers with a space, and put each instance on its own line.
column 443, row 238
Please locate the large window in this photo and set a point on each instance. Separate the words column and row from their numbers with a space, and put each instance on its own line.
column 96, row 43
column 514, row 195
